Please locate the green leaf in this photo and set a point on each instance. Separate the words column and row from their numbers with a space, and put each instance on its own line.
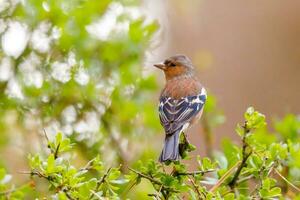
column 58, row 138
column 86, row 187
column 288, row 127
column 229, row 196
column 114, row 174
column 34, row 161
column 62, row 196
column 240, row 130
column 270, row 193
column 50, row 164
column 254, row 119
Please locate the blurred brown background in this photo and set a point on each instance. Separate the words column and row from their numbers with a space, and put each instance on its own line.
column 247, row 52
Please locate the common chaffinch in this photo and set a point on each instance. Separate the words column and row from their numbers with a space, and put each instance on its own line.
column 181, row 103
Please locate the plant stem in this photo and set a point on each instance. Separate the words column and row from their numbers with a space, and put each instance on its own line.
column 224, row 177
column 233, row 182
column 200, row 195
column 99, row 183
column 68, row 195
column 56, row 151
column 152, row 180
column 290, row 183
column 245, row 154
column 195, row 172
column 245, row 179
column 156, row 196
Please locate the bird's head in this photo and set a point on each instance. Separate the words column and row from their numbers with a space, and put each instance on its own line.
column 175, row 66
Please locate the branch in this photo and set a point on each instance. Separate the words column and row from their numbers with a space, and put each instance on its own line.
column 146, row 177
column 68, row 195
column 255, row 191
column 224, row 177
column 245, row 179
column 56, row 151
column 152, row 180
column 156, row 196
column 246, row 155
column 200, row 195
column 46, row 136
column 12, row 190
column 288, row 182
column 95, row 194
column 195, row 172
column 128, row 188
column 41, row 175
column 233, row 182
column 37, row 173
column 99, row 183
column 88, row 166
column 51, row 150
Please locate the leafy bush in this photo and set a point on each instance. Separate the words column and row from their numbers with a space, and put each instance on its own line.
column 71, row 75
column 254, row 170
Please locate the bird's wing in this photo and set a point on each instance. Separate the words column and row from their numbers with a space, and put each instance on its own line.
column 175, row 113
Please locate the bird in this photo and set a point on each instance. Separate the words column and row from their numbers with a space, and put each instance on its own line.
column 181, row 104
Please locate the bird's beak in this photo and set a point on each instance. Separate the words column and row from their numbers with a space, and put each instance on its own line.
column 160, row 66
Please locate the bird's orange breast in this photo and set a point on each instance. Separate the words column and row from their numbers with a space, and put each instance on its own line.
column 181, row 87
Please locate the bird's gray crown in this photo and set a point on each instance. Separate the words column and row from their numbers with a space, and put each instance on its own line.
column 180, row 59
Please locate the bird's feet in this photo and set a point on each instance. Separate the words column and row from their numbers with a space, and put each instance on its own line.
column 185, row 146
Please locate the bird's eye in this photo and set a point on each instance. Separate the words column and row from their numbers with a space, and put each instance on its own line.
column 172, row 64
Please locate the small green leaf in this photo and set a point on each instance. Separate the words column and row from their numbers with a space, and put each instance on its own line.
column 114, row 174
column 229, row 196
column 58, row 137
column 50, row 164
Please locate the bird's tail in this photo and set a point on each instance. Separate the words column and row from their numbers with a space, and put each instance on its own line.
column 170, row 151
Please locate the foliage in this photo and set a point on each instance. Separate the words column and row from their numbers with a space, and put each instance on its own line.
column 229, row 176
column 70, row 75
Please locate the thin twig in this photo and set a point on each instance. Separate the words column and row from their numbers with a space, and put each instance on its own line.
column 196, row 188
column 255, row 191
column 88, row 166
column 224, row 177
column 145, row 176
column 46, row 136
column 156, row 196
column 195, row 172
column 13, row 189
column 56, row 151
column 246, row 155
column 99, row 183
column 95, row 194
column 233, row 182
column 68, row 195
column 37, row 173
column 290, row 183
column 128, row 188
column 244, row 179
column 152, row 180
